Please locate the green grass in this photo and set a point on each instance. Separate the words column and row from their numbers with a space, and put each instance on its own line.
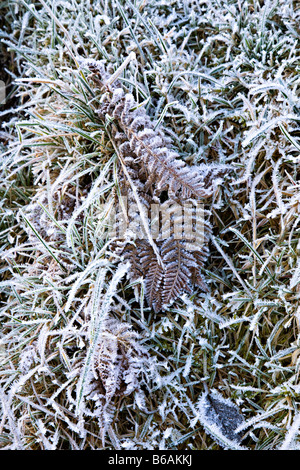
column 221, row 78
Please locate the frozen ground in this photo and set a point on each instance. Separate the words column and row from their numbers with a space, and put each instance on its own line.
column 86, row 363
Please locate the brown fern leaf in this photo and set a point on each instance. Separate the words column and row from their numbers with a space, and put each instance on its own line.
column 118, row 367
column 178, row 263
column 114, row 359
column 181, row 269
column 129, row 251
column 165, row 284
column 173, row 263
column 164, row 166
column 154, row 276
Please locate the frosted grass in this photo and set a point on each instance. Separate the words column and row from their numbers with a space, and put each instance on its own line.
column 221, row 79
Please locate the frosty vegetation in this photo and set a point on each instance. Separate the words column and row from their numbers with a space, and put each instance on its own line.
column 109, row 344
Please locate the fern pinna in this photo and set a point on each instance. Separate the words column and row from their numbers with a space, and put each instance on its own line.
column 150, row 172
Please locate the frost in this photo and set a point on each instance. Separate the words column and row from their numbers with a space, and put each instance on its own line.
column 148, row 99
column 27, row 358
column 295, row 279
column 289, row 441
column 221, row 418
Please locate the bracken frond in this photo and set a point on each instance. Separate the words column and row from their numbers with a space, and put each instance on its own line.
column 154, row 168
